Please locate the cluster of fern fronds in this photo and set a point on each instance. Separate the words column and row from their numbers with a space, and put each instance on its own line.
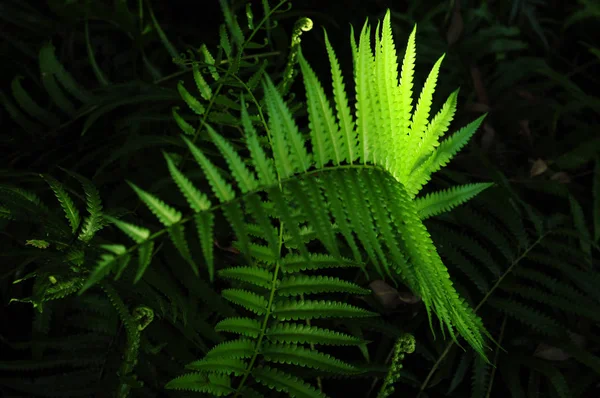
column 247, row 261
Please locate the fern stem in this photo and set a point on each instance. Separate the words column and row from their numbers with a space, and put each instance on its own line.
column 494, row 368
column 266, row 318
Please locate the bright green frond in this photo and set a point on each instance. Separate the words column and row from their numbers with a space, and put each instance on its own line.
column 344, row 117
column 420, row 117
column 262, row 164
column 165, row 214
column 183, row 125
column 201, row 84
column 439, row 202
column 246, row 180
column 290, row 152
column 220, row 187
column 144, row 259
column 138, row 234
column 442, row 155
column 196, row 199
column 363, row 76
column 405, row 100
column 324, row 131
column 435, row 129
column 190, row 100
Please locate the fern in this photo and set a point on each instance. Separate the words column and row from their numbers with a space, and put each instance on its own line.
column 363, row 184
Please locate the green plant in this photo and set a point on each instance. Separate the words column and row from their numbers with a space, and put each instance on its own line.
column 303, row 234
column 365, row 182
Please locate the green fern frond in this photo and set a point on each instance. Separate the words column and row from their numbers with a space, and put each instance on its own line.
column 305, row 284
column 244, row 326
column 238, row 349
column 246, row 181
column 439, row 202
column 300, row 356
column 137, row 233
column 71, row 211
column 326, row 144
column 220, row 187
column 190, row 100
column 165, row 214
column 299, row 333
column 249, row 300
column 253, row 275
column 314, row 309
column 182, row 123
column 281, row 381
column 197, row 200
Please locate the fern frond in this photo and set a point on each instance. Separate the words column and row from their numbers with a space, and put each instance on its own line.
column 220, row 187
column 190, row 100
column 243, row 326
column 288, row 144
column 183, row 125
column 314, row 309
column 280, row 381
column 71, row 211
column 197, row 200
column 300, row 333
column 249, row 300
column 294, row 263
column 442, row 155
column 262, row 164
column 253, row 275
column 326, row 144
column 243, row 176
column 238, row 349
column 439, row 202
column 348, row 136
column 305, row 284
column 165, row 214
column 296, row 355
column 137, row 233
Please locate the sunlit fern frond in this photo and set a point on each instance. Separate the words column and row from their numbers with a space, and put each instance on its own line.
column 350, row 191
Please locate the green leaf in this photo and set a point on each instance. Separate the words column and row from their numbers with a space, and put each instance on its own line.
column 197, row 200
column 165, row 214
column 71, row 212
column 138, row 234
column 220, row 187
